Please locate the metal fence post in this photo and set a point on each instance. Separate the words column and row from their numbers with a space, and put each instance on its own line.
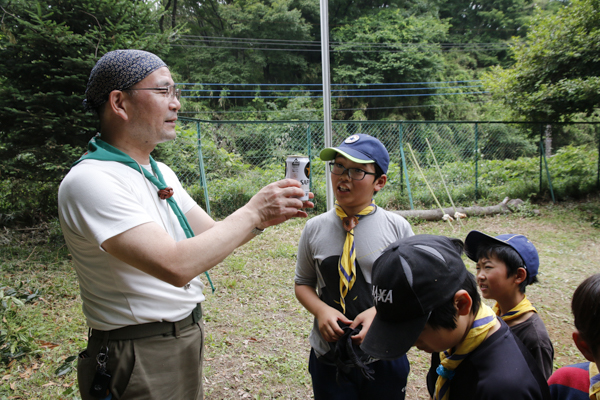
column 476, row 160
column 404, row 167
column 598, row 178
column 202, row 171
column 309, row 152
column 547, row 171
column 541, row 154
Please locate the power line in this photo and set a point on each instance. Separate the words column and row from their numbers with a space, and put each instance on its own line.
column 335, row 109
column 317, row 43
column 336, row 50
column 215, row 42
column 333, row 84
column 346, row 97
column 335, row 90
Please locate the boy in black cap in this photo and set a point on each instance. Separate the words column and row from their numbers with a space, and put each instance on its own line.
column 425, row 297
column 506, row 264
column 333, row 275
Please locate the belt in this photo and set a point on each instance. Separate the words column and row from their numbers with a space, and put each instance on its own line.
column 132, row 332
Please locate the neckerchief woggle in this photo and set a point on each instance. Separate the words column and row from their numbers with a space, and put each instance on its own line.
column 523, row 307
column 102, row 151
column 450, row 360
column 347, row 263
column 594, row 381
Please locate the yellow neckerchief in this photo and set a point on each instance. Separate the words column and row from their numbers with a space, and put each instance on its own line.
column 347, row 263
column 594, row 381
column 520, row 309
column 484, row 321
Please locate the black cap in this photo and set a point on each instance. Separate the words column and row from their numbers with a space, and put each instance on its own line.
column 411, row 278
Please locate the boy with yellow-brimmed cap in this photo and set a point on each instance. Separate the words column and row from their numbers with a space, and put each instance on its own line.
column 333, row 276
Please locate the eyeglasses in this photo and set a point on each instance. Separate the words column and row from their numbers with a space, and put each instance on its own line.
column 168, row 91
column 356, row 174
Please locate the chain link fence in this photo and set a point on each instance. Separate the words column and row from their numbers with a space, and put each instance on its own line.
column 223, row 163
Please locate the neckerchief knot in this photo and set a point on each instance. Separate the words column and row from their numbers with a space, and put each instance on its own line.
column 165, row 193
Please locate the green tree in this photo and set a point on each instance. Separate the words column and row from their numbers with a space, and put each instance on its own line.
column 48, row 50
column 556, row 71
column 387, row 47
column 220, row 47
column 490, row 22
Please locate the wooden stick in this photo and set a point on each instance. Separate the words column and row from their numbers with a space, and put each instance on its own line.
column 444, row 182
column 425, row 180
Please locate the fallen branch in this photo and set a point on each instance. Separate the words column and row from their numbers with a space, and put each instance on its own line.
column 505, row 207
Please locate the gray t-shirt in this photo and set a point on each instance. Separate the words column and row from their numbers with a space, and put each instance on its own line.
column 320, row 247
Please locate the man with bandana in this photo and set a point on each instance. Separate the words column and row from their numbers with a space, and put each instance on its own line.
column 139, row 241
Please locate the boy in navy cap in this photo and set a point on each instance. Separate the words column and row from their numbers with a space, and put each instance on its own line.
column 425, row 297
column 506, row 264
column 333, row 275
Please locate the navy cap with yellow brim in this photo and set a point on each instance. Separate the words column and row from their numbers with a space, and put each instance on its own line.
column 360, row 148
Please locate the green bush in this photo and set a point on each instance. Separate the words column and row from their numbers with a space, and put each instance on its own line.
column 573, row 172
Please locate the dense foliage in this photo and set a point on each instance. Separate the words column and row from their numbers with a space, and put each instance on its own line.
column 48, row 50
column 555, row 75
column 390, row 60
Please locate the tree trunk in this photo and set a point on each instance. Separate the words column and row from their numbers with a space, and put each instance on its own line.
column 504, row 207
column 548, row 141
column 173, row 16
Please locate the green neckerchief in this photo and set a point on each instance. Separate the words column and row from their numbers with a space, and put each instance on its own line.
column 100, row 150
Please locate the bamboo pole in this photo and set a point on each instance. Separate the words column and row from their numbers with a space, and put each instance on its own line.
column 427, row 183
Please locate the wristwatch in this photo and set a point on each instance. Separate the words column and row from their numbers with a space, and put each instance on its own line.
column 256, row 231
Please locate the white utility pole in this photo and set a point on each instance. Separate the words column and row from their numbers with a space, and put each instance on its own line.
column 326, row 92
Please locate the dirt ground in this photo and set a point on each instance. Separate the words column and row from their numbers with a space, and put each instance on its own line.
column 257, row 332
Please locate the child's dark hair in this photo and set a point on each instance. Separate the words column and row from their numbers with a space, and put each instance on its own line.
column 378, row 173
column 445, row 316
column 509, row 257
column 586, row 310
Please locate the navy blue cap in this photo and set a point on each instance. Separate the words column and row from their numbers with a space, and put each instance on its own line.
column 360, row 148
column 411, row 278
column 519, row 243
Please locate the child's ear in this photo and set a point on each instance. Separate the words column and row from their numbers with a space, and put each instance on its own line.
column 380, row 183
column 463, row 302
column 583, row 346
column 520, row 275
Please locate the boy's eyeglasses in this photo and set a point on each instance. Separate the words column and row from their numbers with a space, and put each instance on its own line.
column 356, row 174
column 168, row 91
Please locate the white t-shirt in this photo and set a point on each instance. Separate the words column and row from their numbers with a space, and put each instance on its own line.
column 101, row 199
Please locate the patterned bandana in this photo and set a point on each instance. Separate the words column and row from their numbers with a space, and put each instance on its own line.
column 347, row 264
column 520, row 309
column 118, row 70
column 594, row 382
column 484, row 321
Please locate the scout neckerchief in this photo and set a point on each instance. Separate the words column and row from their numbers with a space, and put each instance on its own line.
column 347, row 263
column 484, row 321
column 594, row 382
column 100, row 150
column 523, row 307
